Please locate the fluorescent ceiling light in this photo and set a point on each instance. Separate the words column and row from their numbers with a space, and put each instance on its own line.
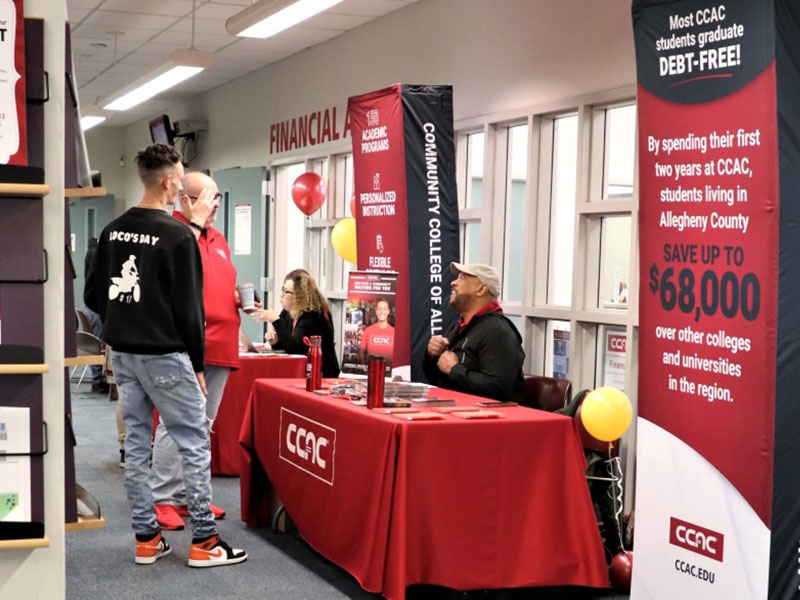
column 268, row 17
column 92, row 115
column 182, row 65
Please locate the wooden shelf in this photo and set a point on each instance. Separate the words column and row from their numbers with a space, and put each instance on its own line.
column 25, row 544
column 24, row 189
column 93, row 192
column 14, row 369
column 86, row 523
column 88, row 359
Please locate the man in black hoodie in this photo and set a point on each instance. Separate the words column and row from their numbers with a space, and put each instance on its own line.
column 146, row 282
column 482, row 353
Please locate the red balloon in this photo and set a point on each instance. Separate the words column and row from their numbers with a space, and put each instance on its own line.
column 353, row 205
column 309, row 191
column 621, row 569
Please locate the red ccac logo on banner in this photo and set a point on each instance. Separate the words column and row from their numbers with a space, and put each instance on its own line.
column 695, row 538
column 308, row 445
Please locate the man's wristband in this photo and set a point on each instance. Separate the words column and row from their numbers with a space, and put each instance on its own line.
column 195, row 225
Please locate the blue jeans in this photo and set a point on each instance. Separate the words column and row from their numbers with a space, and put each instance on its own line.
column 167, row 382
column 97, row 330
column 166, row 476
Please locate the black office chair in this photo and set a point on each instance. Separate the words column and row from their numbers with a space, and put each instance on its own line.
column 546, row 393
column 88, row 345
column 84, row 320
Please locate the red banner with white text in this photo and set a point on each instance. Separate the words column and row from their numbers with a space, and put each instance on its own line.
column 712, row 206
column 406, row 205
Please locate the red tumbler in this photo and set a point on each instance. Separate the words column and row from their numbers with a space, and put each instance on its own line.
column 314, row 363
column 376, row 373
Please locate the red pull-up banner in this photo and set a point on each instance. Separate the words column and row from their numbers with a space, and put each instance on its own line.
column 407, row 205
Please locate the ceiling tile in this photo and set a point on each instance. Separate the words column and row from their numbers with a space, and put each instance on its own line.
column 247, row 54
column 133, row 20
column 239, row 3
column 215, row 27
column 145, row 60
column 177, row 8
column 75, row 15
column 212, row 10
column 162, row 48
column 83, row 4
column 205, row 41
column 103, row 32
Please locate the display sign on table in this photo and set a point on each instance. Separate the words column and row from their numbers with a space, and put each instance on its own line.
column 369, row 323
column 717, row 484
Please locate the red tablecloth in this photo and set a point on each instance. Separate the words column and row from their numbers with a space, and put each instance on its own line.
column 226, row 454
column 466, row 504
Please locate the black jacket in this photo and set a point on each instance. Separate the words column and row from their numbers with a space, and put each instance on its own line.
column 308, row 324
column 146, row 283
column 490, row 357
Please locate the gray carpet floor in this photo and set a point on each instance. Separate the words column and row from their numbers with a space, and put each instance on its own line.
column 100, row 562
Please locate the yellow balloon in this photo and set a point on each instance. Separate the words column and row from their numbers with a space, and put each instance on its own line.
column 343, row 238
column 606, row 413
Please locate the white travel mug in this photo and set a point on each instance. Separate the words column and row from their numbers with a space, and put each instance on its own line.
column 247, row 296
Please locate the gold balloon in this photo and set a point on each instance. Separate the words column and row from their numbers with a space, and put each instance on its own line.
column 606, row 413
column 343, row 238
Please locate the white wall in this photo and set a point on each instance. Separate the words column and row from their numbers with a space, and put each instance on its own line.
column 500, row 56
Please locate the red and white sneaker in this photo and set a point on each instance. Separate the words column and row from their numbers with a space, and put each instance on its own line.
column 150, row 551
column 168, row 517
column 219, row 513
column 213, row 552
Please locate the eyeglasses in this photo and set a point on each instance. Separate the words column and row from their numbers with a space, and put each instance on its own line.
column 217, row 196
column 284, row 291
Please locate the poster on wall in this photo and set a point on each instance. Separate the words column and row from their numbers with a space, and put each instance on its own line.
column 560, row 353
column 614, row 358
column 13, row 127
column 369, row 324
column 15, row 471
column 242, row 227
column 717, row 487
column 407, row 206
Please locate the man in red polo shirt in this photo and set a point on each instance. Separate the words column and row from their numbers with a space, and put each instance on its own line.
column 222, row 304
column 482, row 353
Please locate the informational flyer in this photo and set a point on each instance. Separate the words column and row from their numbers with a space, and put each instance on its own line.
column 614, row 358
column 15, row 471
column 243, row 223
column 13, row 148
column 560, row 353
column 369, row 327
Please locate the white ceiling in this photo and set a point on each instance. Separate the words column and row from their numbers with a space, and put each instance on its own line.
column 149, row 30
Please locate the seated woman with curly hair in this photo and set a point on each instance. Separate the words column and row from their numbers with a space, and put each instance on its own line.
column 305, row 313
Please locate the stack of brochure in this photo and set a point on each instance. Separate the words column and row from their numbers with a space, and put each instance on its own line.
column 405, row 389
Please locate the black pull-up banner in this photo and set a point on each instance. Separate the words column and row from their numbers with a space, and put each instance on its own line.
column 407, row 205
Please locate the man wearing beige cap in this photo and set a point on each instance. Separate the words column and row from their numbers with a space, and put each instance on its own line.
column 482, row 353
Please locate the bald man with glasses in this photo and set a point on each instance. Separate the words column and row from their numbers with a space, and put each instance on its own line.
column 221, row 303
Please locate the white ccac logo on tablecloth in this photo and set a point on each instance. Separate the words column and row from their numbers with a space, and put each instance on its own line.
column 9, row 125
column 308, row 445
